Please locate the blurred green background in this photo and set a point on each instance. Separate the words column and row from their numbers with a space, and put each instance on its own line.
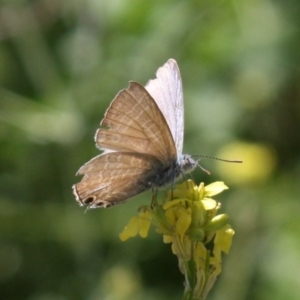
column 63, row 61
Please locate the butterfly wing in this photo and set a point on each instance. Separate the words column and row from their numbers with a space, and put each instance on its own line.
column 138, row 151
column 111, row 178
column 136, row 124
column 166, row 90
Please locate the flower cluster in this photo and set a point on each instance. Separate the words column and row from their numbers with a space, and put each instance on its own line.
column 187, row 218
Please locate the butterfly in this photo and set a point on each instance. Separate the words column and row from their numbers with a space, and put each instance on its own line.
column 141, row 136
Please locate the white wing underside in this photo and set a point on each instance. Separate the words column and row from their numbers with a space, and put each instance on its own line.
column 166, row 90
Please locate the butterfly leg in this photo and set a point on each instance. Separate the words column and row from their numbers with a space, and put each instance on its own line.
column 154, row 198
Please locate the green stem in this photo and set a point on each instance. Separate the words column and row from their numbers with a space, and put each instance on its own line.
column 190, row 277
column 190, row 270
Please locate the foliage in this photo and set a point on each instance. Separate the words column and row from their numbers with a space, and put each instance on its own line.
column 62, row 62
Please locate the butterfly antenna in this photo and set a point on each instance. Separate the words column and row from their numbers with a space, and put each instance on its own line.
column 216, row 158
column 239, row 161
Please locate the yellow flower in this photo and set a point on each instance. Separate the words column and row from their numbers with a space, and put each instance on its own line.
column 140, row 224
column 183, row 221
column 215, row 188
column 223, row 239
column 188, row 219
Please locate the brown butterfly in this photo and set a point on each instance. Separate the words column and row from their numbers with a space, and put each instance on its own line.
column 141, row 136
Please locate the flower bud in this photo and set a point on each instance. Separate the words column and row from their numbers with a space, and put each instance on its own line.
column 217, row 222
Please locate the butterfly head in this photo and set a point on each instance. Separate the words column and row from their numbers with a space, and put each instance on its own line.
column 187, row 163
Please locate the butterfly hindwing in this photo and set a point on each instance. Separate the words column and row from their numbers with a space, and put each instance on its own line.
column 112, row 178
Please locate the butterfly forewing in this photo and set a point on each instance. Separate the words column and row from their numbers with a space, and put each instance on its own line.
column 166, row 90
column 135, row 124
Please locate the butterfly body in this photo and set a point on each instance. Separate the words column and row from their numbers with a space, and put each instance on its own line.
column 141, row 137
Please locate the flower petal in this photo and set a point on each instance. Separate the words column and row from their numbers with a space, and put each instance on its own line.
column 130, row 230
column 209, row 204
column 174, row 202
column 167, row 239
column 223, row 239
column 183, row 222
column 215, row 188
column 144, row 224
